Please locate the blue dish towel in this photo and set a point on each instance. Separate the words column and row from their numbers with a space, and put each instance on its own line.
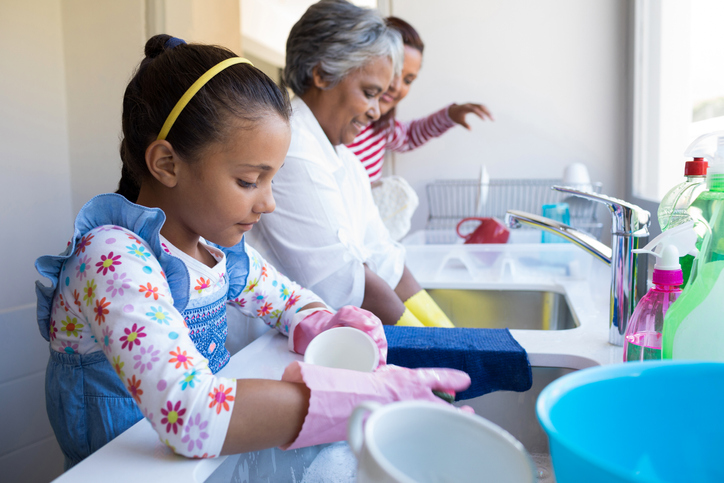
column 492, row 357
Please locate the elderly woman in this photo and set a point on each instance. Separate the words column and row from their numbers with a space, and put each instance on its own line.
column 326, row 232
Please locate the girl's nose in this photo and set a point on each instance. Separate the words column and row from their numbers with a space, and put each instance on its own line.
column 395, row 85
column 265, row 203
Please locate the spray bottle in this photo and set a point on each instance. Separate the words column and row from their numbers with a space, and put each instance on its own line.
column 694, row 327
column 643, row 338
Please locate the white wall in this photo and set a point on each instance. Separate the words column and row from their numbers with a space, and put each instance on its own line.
column 35, row 218
column 64, row 65
column 552, row 72
column 103, row 44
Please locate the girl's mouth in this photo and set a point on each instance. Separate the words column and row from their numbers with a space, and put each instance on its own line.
column 387, row 98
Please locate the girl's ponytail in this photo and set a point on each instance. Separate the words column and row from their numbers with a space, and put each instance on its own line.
column 128, row 186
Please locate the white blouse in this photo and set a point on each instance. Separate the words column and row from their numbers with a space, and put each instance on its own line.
column 326, row 224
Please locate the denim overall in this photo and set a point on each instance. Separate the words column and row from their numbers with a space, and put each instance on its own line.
column 87, row 403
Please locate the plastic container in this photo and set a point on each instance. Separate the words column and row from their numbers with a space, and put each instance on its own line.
column 654, row 421
column 559, row 212
column 673, row 209
column 694, row 328
column 642, row 340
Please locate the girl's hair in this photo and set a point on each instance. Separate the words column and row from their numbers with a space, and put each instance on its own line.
column 339, row 37
column 410, row 38
column 241, row 91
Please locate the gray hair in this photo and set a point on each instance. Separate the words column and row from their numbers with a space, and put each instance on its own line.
column 339, row 37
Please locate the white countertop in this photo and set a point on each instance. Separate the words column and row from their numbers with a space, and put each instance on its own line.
column 585, row 284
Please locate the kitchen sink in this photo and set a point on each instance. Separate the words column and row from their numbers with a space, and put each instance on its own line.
column 515, row 412
column 514, row 309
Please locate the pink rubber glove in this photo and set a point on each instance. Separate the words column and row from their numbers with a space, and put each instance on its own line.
column 308, row 328
column 336, row 392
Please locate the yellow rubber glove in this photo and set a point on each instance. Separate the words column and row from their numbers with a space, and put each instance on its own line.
column 424, row 308
column 409, row 320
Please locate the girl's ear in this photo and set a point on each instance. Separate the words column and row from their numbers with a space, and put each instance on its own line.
column 163, row 163
column 320, row 82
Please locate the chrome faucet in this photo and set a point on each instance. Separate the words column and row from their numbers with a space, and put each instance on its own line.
column 628, row 229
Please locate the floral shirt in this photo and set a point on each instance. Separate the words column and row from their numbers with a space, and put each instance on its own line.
column 113, row 295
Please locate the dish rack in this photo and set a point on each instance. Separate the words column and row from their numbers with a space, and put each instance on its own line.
column 450, row 201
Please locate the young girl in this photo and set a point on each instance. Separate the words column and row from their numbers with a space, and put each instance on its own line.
column 386, row 133
column 136, row 312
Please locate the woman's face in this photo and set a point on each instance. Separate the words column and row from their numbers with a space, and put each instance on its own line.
column 400, row 85
column 346, row 109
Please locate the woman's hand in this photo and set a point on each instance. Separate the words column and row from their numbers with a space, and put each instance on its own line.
column 457, row 113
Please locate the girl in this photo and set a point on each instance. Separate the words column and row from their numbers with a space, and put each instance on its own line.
column 385, row 133
column 136, row 312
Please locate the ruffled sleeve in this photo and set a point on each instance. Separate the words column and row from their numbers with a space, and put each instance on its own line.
column 270, row 295
column 110, row 209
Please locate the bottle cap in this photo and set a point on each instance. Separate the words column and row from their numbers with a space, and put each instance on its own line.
column 667, row 270
column 697, row 167
column 668, row 259
column 667, row 247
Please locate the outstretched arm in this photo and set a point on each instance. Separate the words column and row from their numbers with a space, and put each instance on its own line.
column 410, row 135
column 457, row 113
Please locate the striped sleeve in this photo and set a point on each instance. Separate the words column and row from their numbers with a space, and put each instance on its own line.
column 369, row 147
column 413, row 134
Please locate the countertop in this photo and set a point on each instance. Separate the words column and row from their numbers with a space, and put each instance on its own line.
column 584, row 282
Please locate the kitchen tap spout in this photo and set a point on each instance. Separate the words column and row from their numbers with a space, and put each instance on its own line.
column 629, row 229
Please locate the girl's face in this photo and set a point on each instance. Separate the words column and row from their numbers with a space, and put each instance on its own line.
column 222, row 195
column 400, row 85
column 348, row 107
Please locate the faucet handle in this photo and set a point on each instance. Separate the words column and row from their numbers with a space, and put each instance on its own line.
column 628, row 219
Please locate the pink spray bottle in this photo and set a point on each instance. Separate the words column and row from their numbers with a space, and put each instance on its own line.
column 643, row 334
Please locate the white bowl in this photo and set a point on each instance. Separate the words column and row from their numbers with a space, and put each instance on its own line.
column 343, row 348
column 424, row 442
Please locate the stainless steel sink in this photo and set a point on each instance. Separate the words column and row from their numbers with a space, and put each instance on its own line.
column 515, row 412
column 514, row 309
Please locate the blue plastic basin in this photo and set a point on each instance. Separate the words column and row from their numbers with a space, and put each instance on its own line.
column 657, row 421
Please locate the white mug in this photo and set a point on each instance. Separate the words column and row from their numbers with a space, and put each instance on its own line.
column 343, row 348
column 424, row 442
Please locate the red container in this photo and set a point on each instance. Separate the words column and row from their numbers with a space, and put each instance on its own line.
column 490, row 230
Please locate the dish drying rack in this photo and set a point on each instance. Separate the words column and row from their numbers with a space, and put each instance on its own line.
column 450, row 201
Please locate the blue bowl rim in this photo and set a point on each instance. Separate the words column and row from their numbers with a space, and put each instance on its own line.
column 558, row 388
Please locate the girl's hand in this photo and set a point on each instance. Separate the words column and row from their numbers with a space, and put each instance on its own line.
column 457, row 113
column 302, row 333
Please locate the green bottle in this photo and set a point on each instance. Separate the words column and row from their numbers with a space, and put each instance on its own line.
column 694, row 324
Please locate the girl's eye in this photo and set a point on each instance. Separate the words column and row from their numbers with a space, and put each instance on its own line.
column 370, row 94
column 408, row 81
column 245, row 184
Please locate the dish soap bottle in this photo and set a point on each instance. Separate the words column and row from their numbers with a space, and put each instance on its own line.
column 642, row 340
column 693, row 327
column 673, row 209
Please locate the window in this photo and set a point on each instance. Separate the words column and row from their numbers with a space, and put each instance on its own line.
column 265, row 26
column 678, row 87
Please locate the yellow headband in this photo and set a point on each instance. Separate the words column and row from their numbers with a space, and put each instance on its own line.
column 195, row 87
